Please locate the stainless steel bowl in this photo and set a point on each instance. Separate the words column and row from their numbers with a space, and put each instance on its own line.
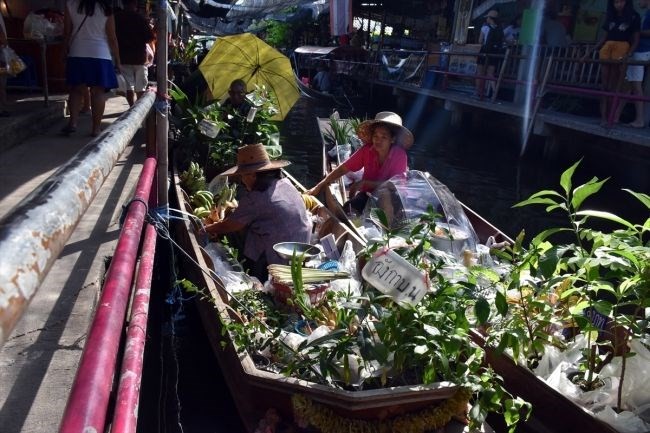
column 286, row 250
column 453, row 240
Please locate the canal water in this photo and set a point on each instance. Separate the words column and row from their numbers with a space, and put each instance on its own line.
column 479, row 162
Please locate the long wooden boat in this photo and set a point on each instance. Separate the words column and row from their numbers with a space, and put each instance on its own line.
column 305, row 61
column 336, row 193
column 255, row 390
column 552, row 411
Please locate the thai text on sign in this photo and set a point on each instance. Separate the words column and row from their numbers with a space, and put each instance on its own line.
column 392, row 275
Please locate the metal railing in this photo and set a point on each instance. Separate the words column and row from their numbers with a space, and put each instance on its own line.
column 573, row 70
column 33, row 235
column 88, row 402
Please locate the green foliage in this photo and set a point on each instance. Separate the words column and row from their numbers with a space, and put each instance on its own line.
column 340, row 131
column 193, row 145
column 278, row 33
column 558, row 286
column 185, row 53
column 374, row 342
column 261, row 129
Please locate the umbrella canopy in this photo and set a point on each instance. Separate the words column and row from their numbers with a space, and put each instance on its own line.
column 247, row 57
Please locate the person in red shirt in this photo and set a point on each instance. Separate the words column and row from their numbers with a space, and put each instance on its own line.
column 382, row 156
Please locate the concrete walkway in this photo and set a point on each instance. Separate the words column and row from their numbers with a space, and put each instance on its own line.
column 39, row 360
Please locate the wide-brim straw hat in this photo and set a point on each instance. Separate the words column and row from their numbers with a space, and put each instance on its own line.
column 253, row 158
column 403, row 137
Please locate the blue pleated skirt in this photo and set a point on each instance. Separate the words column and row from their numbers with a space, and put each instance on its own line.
column 91, row 72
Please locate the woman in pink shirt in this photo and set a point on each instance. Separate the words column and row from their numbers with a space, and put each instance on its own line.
column 382, row 156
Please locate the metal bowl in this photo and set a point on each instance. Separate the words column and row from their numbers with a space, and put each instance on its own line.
column 453, row 239
column 286, row 250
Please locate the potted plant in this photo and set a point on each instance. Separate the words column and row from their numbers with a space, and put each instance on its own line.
column 566, row 310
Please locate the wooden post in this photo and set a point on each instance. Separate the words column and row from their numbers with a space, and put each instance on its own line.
column 162, row 124
column 501, row 72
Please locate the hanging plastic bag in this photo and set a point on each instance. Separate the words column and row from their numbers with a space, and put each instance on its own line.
column 10, row 62
column 121, row 85
column 37, row 26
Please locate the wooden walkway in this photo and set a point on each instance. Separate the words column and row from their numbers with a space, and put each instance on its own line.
column 544, row 119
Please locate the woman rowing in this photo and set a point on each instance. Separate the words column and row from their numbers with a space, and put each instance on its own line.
column 270, row 211
column 382, row 156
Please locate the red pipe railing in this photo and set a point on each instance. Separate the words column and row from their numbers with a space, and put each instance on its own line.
column 89, row 397
column 125, row 419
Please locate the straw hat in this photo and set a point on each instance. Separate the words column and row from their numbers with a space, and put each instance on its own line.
column 403, row 136
column 253, row 158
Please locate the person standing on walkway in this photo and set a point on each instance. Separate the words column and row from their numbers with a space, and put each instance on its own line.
column 3, row 78
column 491, row 39
column 93, row 57
column 619, row 40
column 636, row 73
column 133, row 35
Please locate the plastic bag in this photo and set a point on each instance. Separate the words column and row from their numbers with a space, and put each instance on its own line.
column 10, row 62
column 343, row 150
column 626, row 422
column 36, row 26
column 121, row 85
column 636, row 385
column 348, row 259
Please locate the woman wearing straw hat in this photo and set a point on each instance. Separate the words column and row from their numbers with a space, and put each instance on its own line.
column 270, row 211
column 382, row 156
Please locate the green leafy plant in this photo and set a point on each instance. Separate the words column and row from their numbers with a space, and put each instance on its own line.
column 340, row 131
column 374, row 342
column 190, row 143
column 278, row 33
column 597, row 286
column 185, row 53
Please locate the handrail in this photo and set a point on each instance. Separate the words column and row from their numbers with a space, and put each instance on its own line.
column 33, row 235
column 88, row 401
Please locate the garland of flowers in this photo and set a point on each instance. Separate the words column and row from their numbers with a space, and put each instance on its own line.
column 324, row 419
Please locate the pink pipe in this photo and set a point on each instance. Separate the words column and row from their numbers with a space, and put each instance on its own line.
column 88, row 400
column 125, row 419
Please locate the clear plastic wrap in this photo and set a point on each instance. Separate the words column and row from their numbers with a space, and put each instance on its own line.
column 405, row 198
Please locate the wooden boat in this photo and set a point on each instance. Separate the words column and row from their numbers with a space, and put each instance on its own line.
column 343, row 62
column 255, row 390
column 552, row 411
column 336, row 194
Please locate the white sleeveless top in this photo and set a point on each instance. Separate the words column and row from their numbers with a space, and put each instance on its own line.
column 91, row 40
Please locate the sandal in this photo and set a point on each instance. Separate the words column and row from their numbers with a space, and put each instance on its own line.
column 68, row 129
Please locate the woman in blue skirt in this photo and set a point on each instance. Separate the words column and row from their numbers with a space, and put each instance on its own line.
column 93, row 57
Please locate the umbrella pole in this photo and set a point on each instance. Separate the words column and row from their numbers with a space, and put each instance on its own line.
column 162, row 125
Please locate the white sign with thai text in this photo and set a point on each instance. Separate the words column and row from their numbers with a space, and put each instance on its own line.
column 392, row 275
